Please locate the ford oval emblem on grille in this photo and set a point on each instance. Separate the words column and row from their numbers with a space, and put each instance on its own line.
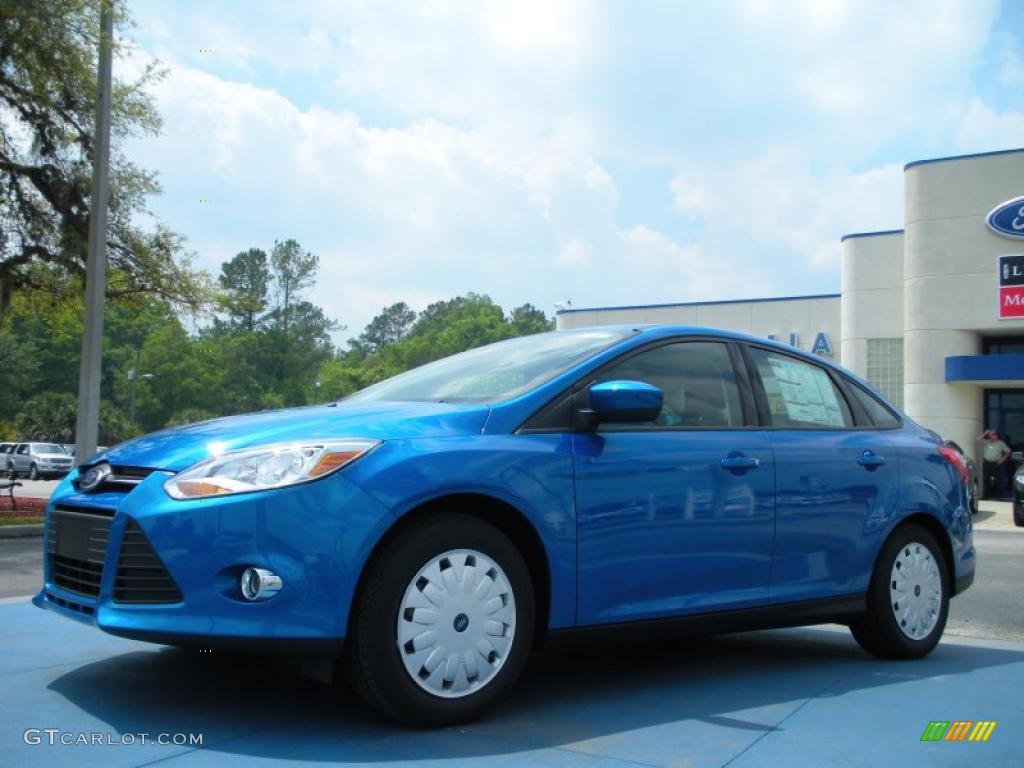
column 94, row 477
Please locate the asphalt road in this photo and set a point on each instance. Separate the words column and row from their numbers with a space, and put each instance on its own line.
column 992, row 608
column 35, row 489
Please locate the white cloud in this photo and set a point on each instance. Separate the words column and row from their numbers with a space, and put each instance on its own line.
column 982, row 129
column 573, row 253
column 778, row 200
column 687, row 197
column 538, row 150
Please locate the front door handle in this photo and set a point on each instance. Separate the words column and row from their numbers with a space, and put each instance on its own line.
column 740, row 462
column 870, row 460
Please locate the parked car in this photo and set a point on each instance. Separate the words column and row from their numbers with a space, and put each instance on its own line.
column 1018, row 497
column 5, row 448
column 432, row 529
column 38, row 460
column 973, row 482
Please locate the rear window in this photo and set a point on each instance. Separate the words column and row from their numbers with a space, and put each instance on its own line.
column 880, row 415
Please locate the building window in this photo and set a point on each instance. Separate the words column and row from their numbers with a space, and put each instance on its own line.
column 885, row 368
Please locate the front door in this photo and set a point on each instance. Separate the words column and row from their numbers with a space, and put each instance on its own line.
column 675, row 516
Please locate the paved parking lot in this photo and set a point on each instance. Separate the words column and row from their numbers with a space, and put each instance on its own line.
column 786, row 697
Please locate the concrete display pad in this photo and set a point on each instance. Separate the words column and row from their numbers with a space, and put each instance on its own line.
column 784, row 697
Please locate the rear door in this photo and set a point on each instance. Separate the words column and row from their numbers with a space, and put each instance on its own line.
column 836, row 479
column 675, row 516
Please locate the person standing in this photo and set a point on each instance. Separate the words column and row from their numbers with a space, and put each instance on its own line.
column 995, row 453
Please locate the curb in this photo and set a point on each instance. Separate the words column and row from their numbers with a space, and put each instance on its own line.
column 21, row 531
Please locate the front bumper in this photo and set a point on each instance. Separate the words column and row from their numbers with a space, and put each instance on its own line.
column 316, row 536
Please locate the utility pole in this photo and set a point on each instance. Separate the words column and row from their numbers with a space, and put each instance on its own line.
column 88, row 422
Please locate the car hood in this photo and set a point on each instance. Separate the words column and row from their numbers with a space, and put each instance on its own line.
column 180, row 447
column 51, row 455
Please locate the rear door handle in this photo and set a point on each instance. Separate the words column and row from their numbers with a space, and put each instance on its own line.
column 740, row 462
column 870, row 460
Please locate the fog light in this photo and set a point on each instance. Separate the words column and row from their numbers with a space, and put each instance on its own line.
column 259, row 584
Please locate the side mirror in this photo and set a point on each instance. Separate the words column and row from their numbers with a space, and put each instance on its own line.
column 624, row 402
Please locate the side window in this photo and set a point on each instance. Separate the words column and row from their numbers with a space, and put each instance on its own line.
column 23, row 449
column 800, row 394
column 878, row 413
column 696, row 378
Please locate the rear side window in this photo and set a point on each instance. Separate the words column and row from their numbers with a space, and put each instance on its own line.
column 800, row 394
column 696, row 379
column 880, row 415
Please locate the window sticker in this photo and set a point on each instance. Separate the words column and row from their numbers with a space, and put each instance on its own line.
column 805, row 393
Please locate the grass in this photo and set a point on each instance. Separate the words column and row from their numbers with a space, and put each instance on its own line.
column 21, row 520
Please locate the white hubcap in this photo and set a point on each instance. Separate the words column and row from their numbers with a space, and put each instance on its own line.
column 456, row 623
column 915, row 591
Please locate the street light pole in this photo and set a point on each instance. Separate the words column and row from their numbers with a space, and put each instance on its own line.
column 88, row 420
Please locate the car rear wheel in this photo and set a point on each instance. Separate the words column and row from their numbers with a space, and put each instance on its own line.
column 1018, row 511
column 443, row 624
column 908, row 600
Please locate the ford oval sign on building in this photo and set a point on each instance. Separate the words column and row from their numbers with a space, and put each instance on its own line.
column 1007, row 219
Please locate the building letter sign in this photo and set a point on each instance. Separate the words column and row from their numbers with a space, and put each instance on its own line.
column 822, row 346
column 1011, row 286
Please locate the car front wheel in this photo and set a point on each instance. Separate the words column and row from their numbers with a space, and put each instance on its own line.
column 908, row 600
column 1018, row 511
column 33, row 472
column 444, row 622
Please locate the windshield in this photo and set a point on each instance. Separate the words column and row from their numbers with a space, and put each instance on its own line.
column 496, row 372
column 47, row 448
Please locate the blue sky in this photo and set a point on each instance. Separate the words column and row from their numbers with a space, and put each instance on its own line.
column 604, row 152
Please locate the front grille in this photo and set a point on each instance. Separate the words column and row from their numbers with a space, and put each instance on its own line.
column 121, row 478
column 75, row 546
column 141, row 577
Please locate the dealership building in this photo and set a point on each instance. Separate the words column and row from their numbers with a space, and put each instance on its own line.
column 931, row 314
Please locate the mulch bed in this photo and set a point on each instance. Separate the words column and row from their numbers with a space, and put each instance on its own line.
column 26, row 507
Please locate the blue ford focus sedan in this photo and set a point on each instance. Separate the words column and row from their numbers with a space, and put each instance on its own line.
column 430, row 530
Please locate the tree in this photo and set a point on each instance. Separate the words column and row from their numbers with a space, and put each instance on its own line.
column 392, row 324
column 47, row 416
column 47, row 96
column 527, row 319
column 19, row 371
column 294, row 272
column 246, row 278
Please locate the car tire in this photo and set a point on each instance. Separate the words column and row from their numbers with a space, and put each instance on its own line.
column 33, row 472
column 419, row 579
column 908, row 598
column 1018, row 511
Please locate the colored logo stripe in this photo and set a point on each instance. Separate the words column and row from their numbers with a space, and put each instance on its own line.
column 958, row 730
column 982, row 730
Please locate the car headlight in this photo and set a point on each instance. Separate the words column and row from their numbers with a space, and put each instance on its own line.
column 265, row 467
